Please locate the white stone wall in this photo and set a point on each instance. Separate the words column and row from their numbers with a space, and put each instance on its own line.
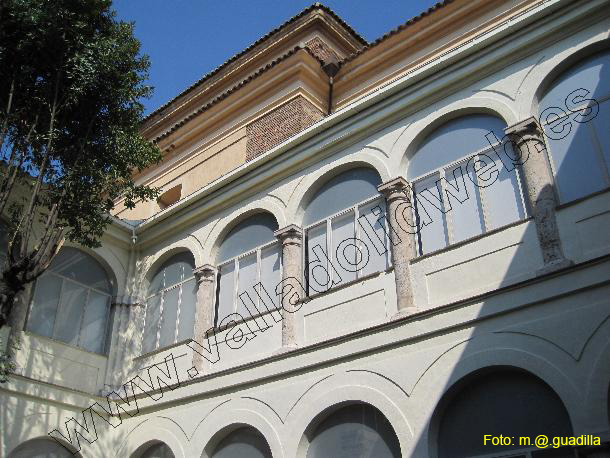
column 470, row 314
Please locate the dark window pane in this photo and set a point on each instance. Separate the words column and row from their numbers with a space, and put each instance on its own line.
column 356, row 431
column 341, row 192
column 247, row 235
column 243, row 443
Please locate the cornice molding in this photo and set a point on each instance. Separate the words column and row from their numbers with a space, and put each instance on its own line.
column 374, row 112
column 254, row 57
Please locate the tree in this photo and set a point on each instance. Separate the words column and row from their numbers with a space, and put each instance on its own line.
column 71, row 81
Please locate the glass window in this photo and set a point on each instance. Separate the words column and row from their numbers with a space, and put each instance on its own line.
column 71, row 301
column 243, row 443
column 461, row 187
column 355, row 431
column 250, row 254
column 158, row 451
column 41, row 448
column 528, row 407
column 171, row 304
column 342, row 191
column 346, row 231
column 577, row 130
column 249, row 234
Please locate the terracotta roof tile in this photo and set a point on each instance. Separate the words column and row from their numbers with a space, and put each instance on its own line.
column 394, row 31
column 228, row 92
column 256, row 43
column 254, row 75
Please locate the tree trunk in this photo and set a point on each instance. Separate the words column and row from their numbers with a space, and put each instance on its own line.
column 10, row 287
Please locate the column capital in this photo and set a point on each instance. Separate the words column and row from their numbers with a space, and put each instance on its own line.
column 206, row 272
column 526, row 129
column 395, row 188
column 289, row 234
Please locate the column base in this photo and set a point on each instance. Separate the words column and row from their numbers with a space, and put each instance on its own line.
column 285, row 349
column 403, row 313
column 554, row 266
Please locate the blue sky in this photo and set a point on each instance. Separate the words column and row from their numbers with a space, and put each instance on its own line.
column 186, row 39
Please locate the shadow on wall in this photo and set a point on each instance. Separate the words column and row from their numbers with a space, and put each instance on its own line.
column 503, row 392
column 45, row 417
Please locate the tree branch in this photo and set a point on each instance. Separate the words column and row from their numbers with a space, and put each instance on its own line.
column 8, row 111
column 48, row 149
column 13, row 169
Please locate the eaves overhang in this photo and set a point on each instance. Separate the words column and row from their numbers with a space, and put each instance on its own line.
column 316, row 12
column 380, row 97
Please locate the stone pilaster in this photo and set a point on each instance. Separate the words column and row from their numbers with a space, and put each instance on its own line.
column 529, row 139
column 402, row 238
column 291, row 238
column 204, row 315
column 124, row 339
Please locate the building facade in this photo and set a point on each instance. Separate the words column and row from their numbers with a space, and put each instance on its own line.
column 397, row 248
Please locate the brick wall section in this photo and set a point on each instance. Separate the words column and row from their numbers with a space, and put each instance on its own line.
column 279, row 125
column 321, row 50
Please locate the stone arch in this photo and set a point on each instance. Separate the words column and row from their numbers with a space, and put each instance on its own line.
column 141, row 450
column 597, row 398
column 340, row 390
column 189, row 243
column 154, row 430
column 539, row 81
column 452, row 393
column 228, row 222
column 236, row 413
column 485, row 351
column 419, row 130
column 312, row 182
column 146, row 268
column 53, row 440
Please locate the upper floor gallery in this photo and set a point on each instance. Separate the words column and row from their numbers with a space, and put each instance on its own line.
column 426, row 183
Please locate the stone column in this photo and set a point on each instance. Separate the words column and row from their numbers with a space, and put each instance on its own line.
column 204, row 315
column 402, row 238
column 529, row 139
column 291, row 238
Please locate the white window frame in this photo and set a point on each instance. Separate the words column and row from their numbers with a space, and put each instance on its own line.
column 235, row 260
column 331, row 252
column 60, row 306
column 483, row 209
column 597, row 145
column 162, row 293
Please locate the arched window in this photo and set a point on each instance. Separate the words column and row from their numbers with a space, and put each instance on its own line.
column 171, row 302
column 461, row 186
column 159, row 450
column 505, row 402
column 71, row 301
column 345, row 228
column 575, row 115
column 249, row 254
column 355, row 431
column 41, row 448
column 241, row 443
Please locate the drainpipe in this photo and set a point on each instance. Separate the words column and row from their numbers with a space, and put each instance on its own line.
column 331, row 68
